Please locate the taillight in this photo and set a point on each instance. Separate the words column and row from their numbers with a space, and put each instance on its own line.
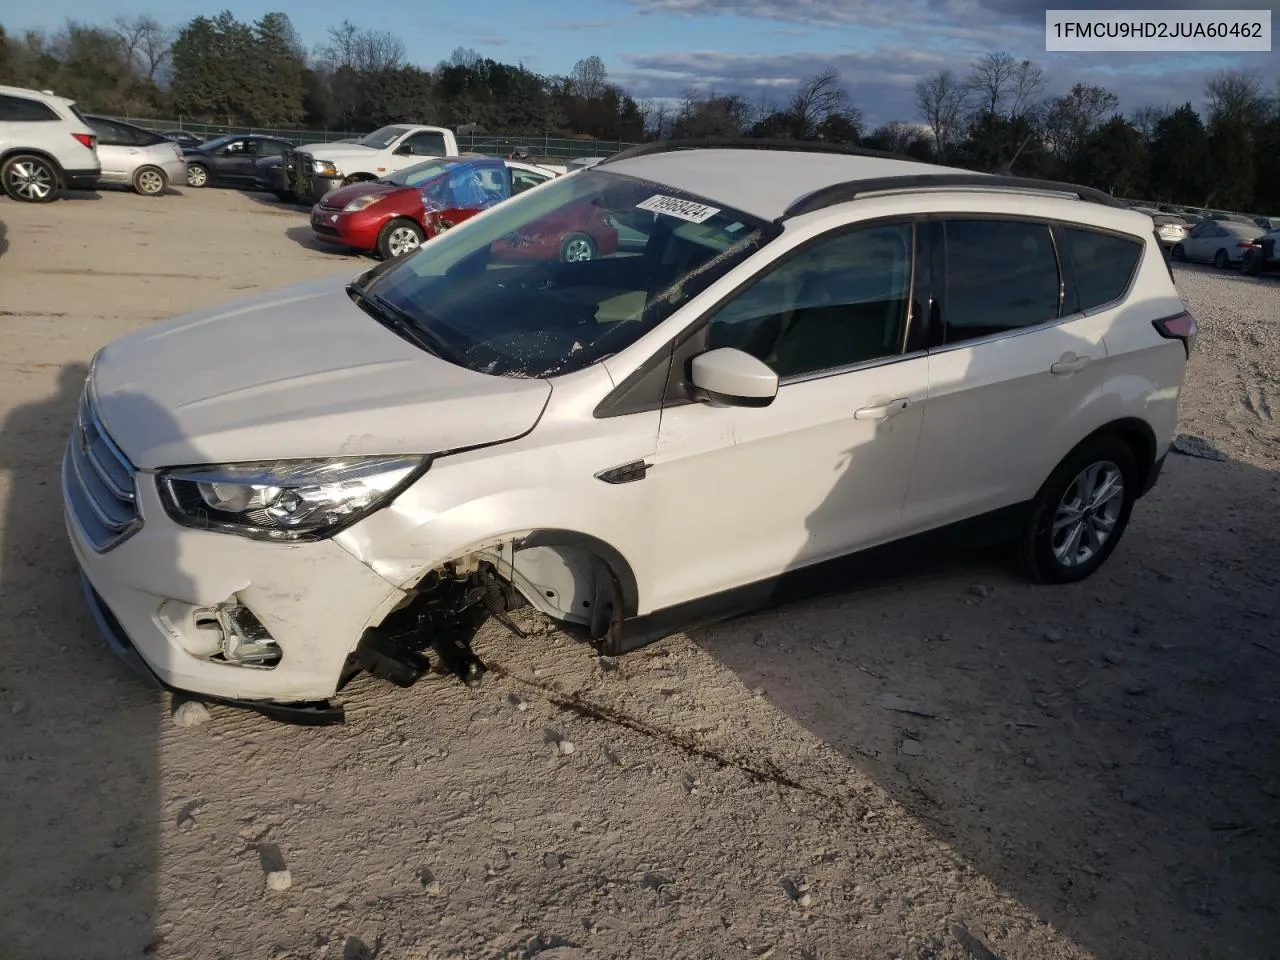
column 1246, row 244
column 86, row 140
column 1179, row 326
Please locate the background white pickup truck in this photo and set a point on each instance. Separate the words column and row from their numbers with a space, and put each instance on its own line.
column 313, row 169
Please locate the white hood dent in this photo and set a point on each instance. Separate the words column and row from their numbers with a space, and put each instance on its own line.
column 295, row 374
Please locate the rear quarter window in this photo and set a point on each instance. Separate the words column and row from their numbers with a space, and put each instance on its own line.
column 24, row 110
column 1103, row 264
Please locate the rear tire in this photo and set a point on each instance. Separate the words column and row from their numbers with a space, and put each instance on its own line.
column 399, row 237
column 1178, row 254
column 1080, row 513
column 197, row 175
column 1221, row 260
column 150, row 181
column 29, row 178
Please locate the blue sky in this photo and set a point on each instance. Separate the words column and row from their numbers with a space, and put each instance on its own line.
column 758, row 48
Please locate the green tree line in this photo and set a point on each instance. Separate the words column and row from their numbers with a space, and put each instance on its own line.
column 995, row 115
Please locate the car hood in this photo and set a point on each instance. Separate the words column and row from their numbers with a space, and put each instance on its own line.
column 298, row 373
column 344, row 195
column 334, row 152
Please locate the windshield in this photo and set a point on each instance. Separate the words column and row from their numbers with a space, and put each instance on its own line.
column 382, row 138
column 563, row 276
column 421, row 172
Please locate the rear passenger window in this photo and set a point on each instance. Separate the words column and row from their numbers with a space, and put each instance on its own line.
column 1102, row 263
column 22, row 110
column 1001, row 275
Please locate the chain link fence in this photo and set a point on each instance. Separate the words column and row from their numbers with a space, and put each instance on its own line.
column 496, row 144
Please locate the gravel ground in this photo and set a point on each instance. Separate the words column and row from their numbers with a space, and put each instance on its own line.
column 949, row 764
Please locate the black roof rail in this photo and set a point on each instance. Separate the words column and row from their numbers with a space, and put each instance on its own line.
column 753, row 143
column 852, row 189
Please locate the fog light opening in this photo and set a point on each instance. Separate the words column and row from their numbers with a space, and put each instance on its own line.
column 242, row 639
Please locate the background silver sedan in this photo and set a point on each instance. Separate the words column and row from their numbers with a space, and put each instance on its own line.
column 136, row 157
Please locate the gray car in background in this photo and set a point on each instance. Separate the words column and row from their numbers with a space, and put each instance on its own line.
column 141, row 159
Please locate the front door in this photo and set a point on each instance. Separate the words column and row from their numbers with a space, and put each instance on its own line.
column 745, row 494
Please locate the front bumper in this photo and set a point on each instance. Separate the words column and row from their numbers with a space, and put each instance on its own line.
column 315, row 599
column 80, row 179
column 358, row 230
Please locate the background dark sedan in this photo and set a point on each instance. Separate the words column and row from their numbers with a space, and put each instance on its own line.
column 231, row 160
column 184, row 138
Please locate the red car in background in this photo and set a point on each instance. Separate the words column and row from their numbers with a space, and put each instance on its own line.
column 395, row 215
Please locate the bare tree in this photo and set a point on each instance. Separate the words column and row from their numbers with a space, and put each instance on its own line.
column 1235, row 95
column 657, row 117
column 1146, row 119
column 368, row 51
column 379, row 50
column 590, row 78
column 941, row 100
column 992, row 79
column 1025, row 86
column 145, row 42
column 819, row 96
column 1071, row 118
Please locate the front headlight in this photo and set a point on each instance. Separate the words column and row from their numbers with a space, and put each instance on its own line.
column 324, row 168
column 284, row 499
column 365, row 200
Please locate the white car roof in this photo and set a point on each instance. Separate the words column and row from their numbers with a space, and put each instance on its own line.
column 762, row 183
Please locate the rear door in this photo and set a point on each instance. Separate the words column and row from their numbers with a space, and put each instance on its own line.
column 117, row 150
column 1012, row 364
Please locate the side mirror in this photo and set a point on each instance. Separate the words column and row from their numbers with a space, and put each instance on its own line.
column 405, row 150
column 734, row 378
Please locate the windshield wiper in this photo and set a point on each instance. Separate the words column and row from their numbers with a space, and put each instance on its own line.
column 400, row 321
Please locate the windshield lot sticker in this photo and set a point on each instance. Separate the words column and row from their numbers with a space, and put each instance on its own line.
column 681, row 209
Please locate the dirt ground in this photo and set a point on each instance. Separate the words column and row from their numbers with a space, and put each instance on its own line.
column 1100, row 776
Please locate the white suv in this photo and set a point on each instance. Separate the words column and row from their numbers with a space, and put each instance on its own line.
column 45, row 146
column 812, row 355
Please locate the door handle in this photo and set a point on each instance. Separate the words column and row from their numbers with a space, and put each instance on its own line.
column 883, row 412
column 1068, row 364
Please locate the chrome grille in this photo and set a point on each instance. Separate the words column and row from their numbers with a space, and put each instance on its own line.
column 99, row 482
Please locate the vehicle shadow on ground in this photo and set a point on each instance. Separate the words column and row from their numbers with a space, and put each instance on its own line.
column 304, row 236
column 1105, row 752
column 80, row 195
column 4, row 239
column 272, row 202
column 80, row 806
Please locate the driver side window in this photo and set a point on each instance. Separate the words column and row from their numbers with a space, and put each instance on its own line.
column 844, row 299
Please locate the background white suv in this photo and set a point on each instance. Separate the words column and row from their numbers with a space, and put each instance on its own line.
column 45, row 146
column 811, row 356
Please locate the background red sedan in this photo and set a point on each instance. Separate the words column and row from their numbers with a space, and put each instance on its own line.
column 394, row 215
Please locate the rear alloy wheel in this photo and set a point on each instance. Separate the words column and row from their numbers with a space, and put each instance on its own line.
column 1221, row 260
column 1177, row 253
column 150, row 182
column 1080, row 513
column 398, row 238
column 577, row 248
column 29, row 178
column 197, row 175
